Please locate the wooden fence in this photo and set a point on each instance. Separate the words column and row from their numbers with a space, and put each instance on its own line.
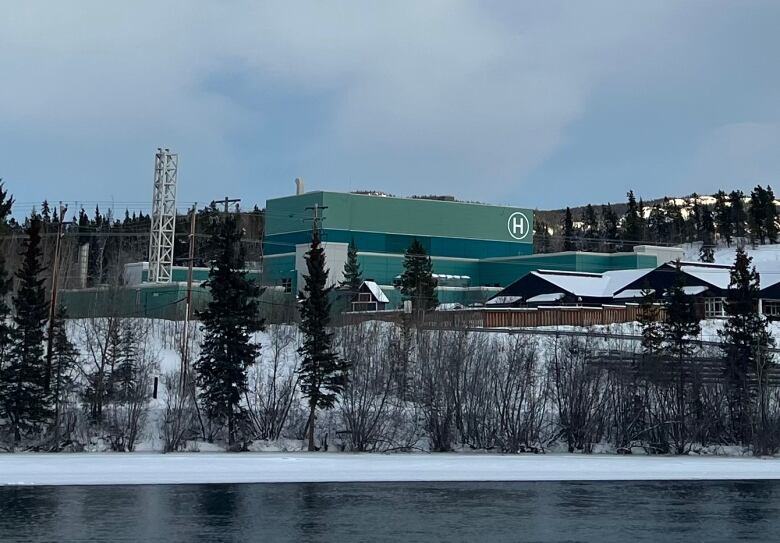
column 513, row 317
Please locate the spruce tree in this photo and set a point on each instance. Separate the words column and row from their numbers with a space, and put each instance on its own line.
column 738, row 214
column 417, row 281
column 652, row 329
column 632, row 224
column 707, row 234
column 229, row 322
column 542, row 238
column 611, row 227
column 657, row 225
column 770, row 215
column 64, row 362
column 353, row 276
column 27, row 405
column 723, row 217
column 746, row 338
column 681, row 326
column 323, row 374
column 757, row 215
column 590, row 227
column 6, row 283
column 569, row 241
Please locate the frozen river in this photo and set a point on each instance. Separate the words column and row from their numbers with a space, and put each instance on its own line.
column 601, row 511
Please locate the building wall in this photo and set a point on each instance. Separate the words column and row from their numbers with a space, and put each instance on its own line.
column 471, row 240
column 456, row 235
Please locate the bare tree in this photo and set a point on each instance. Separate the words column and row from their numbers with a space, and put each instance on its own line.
column 273, row 384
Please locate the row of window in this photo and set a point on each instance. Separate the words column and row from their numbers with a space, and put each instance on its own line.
column 715, row 308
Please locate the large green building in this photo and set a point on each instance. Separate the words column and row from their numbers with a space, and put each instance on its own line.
column 476, row 249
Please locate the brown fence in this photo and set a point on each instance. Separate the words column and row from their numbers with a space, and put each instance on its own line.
column 561, row 316
column 513, row 317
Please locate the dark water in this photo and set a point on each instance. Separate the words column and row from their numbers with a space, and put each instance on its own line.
column 483, row 512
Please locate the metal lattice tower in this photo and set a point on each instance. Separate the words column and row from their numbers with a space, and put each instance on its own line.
column 163, row 216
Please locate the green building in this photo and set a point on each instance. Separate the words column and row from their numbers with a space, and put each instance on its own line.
column 476, row 249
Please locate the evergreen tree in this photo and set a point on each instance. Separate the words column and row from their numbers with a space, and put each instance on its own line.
column 27, row 405
column 675, row 220
column 707, row 234
column 681, row 326
column 759, row 215
column 64, row 361
column 632, row 224
column 417, row 281
column 657, row 225
column 652, row 329
column 229, row 321
column 693, row 224
column 611, row 227
column 6, row 203
column 590, row 229
column 738, row 214
column 569, row 240
column 353, row 276
column 746, row 339
column 46, row 215
column 723, row 217
column 6, row 372
column 542, row 238
column 770, row 215
column 323, row 374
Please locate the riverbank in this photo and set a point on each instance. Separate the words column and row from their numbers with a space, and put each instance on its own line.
column 141, row 468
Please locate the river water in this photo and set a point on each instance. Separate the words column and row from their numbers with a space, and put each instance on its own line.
column 483, row 512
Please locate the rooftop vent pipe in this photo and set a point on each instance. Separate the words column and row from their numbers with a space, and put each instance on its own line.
column 299, row 186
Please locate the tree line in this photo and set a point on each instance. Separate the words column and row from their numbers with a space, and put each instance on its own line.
column 730, row 216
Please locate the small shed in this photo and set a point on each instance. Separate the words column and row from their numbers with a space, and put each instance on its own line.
column 369, row 297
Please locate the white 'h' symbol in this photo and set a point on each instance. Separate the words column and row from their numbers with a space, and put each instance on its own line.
column 518, row 225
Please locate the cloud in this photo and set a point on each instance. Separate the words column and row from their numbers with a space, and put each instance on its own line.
column 451, row 96
column 738, row 155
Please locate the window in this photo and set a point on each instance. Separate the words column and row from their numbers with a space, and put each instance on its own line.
column 771, row 309
column 287, row 284
column 714, row 308
column 364, row 297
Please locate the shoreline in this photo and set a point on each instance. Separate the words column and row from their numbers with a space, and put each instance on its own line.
column 53, row 469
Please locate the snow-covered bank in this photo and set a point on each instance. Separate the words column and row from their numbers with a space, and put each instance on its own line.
column 117, row 469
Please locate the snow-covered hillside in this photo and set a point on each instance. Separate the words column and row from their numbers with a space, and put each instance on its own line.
column 766, row 256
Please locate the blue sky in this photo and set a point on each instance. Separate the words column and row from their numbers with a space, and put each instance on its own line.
column 525, row 103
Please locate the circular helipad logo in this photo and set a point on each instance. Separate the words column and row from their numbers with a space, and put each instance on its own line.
column 518, row 225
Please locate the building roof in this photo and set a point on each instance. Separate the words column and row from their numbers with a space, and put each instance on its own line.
column 543, row 298
column 376, row 292
column 591, row 285
column 717, row 275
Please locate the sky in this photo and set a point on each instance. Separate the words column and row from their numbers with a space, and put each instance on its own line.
column 533, row 104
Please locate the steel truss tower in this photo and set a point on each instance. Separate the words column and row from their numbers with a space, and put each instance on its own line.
column 166, row 165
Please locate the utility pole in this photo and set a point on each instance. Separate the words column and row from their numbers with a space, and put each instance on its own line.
column 226, row 202
column 53, row 301
column 188, row 306
column 316, row 219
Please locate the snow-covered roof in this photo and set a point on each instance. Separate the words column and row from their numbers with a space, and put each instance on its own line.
column 541, row 298
column 591, row 285
column 716, row 275
column 694, row 290
column 502, row 300
column 577, row 283
column 631, row 293
column 376, row 292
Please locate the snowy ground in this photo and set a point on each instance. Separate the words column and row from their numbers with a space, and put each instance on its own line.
column 115, row 469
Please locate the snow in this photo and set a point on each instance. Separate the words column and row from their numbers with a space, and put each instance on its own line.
column 376, row 292
column 592, row 285
column 194, row 468
column 553, row 297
